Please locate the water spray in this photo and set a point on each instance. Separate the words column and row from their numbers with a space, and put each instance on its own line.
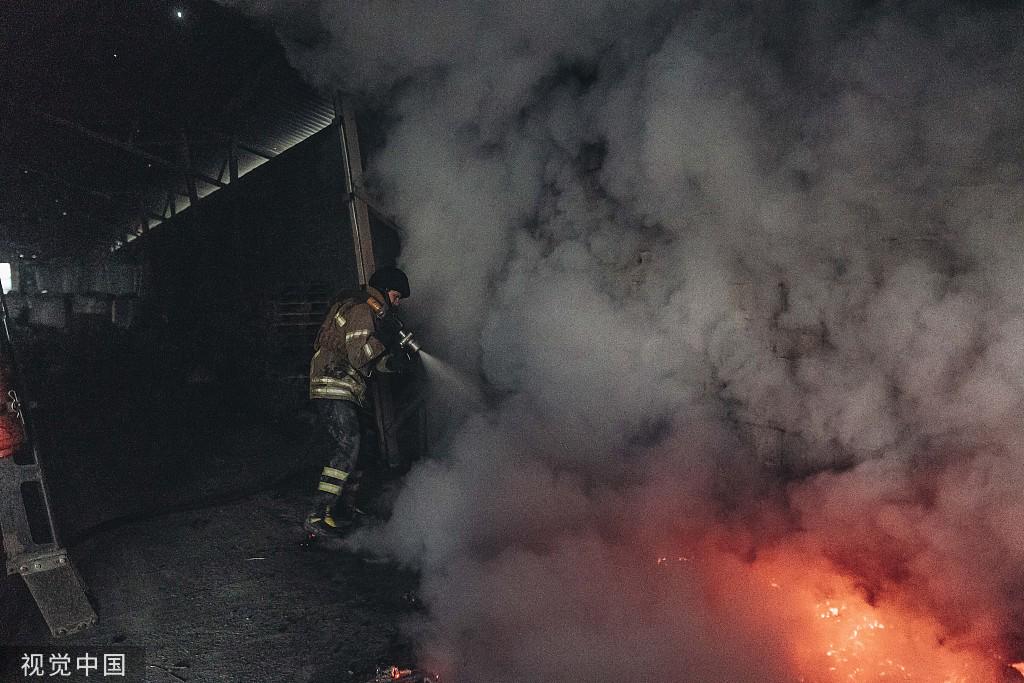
column 449, row 379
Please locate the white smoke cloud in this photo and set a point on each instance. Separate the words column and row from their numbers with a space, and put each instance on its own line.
column 660, row 232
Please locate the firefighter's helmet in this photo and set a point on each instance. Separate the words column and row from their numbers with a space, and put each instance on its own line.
column 390, row 278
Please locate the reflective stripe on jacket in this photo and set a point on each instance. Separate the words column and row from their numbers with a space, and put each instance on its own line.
column 348, row 348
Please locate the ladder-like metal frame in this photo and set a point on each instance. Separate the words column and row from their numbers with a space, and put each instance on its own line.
column 30, row 542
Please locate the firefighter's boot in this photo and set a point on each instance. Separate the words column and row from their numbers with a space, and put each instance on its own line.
column 323, row 529
column 333, row 508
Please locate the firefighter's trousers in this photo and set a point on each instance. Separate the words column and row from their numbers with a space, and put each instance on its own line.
column 341, row 421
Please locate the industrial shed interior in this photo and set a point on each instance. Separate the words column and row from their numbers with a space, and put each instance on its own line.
column 175, row 220
column 696, row 352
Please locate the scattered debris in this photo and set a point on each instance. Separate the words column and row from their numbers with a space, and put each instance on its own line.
column 390, row 674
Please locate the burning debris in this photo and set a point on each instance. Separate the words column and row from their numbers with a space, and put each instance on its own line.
column 396, row 674
column 836, row 630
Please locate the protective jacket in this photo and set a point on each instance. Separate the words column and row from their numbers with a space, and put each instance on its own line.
column 352, row 344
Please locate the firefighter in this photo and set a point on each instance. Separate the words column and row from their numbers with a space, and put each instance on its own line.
column 358, row 338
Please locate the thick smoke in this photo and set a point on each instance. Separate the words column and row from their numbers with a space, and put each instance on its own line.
column 737, row 277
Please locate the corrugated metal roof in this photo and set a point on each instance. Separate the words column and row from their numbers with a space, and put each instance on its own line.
column 102, row 101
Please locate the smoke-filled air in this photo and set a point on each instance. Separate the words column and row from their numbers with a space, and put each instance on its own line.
column 741, row 288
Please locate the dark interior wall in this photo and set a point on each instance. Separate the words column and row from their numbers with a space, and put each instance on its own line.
column 205, row 391
column 242, row 281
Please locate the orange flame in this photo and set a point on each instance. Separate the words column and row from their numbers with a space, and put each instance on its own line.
column 833, row 633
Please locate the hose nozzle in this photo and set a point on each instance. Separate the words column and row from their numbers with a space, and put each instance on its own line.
column 406, row 342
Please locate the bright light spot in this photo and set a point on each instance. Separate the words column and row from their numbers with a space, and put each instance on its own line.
column 5, row 277
column 1019, row 667
column 834, row 633
column 180, row 14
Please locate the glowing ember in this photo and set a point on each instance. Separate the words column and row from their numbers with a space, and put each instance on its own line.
column 390, row 674
column 851, row 640
column 832, row 632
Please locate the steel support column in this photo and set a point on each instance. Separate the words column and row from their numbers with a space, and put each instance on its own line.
column 362, row 240
column 233, row 160
column 140, row 201
column 359, row 215
column 187, row 168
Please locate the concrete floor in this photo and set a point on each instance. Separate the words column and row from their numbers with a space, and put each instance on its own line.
column 227, row 594
column 180, row 503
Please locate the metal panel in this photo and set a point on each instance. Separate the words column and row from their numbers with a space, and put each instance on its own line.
column 60, row 596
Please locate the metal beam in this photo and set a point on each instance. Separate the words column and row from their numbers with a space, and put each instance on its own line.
column 233, row 160
column 362, row 240
column 378, row 212
column 106, row 196
column 257, row 150
column 223, row 167
column 214, row 137
column 186, row 163
column 359, row 216
column 174, row 123
column 100, row 137
column 143, row 214
column 123, row 146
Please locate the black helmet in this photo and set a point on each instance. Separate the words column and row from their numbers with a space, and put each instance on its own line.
column 388, row 278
